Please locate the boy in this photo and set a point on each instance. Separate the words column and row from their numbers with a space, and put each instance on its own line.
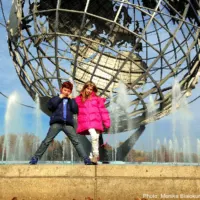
column 62, row 108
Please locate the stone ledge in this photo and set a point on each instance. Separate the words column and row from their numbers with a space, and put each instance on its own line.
column 46, row 170
column 102, row 182
column 148, row 171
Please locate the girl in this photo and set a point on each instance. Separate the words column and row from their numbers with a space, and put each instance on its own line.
column 93, row 116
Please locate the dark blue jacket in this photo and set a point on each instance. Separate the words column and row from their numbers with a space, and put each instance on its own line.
column 55, row 105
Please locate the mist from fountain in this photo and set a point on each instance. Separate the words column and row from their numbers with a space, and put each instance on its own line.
column 13, row 124
column 171, row 151
column 176, row 96
column 74, row 91
column 184, row 150
column 63, row 150
column 183, row 116
column 19, row 152
column 112, row 108
column 198, row 150
column 165, row 152
column 72, row 153
column 176, row 149
column 165, row 147
column 38, row 130
column 122, row 97
column 151, row 108
column 161, row 153
column 158, row 146
column 118, row 108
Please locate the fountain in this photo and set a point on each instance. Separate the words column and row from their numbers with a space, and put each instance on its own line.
column 72, row 153
column 63, row 150
column 13, row 149
column 158, row 146
column 38, row 126
column 171, row 150
column 165, row 149
column 114, row 126
column 150, row 112
column 183, row 116
column 19, row 152
column 118, row 108
column 198, row 150
column 12, row 117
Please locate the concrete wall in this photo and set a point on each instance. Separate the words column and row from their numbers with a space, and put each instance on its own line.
column 102, row 182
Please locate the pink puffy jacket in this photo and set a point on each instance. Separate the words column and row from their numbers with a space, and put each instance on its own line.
column 92, row 114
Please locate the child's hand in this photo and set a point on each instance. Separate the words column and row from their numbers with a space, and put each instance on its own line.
column 70, row 96
column 61, row 96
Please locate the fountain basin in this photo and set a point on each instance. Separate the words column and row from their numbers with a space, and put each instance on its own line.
column 102, row 182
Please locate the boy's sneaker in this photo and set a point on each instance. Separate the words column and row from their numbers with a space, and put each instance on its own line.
column 87, row 161
column 33, row 161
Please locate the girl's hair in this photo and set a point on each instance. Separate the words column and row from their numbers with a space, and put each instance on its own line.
column 68, row 85
column 86, row 85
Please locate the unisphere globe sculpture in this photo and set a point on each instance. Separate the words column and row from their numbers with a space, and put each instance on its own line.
column 144, row 44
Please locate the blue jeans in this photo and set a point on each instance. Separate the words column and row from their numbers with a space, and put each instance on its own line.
column 53, row 132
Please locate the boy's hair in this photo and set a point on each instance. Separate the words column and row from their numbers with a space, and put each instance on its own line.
column 68, row 85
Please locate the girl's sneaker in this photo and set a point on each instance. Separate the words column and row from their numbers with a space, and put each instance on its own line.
column 95, row 160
